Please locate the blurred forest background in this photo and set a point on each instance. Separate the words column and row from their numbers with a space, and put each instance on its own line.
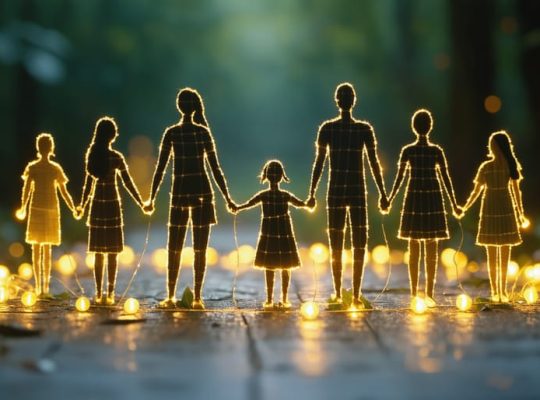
column 267, row 71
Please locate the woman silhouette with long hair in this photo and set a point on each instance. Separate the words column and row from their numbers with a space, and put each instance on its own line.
column 104, row 166
column 191, row 146
column 43, row 178
column 423, row 216
column 501, row 212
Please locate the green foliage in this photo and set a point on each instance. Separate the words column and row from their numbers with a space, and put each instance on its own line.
column 187, row 298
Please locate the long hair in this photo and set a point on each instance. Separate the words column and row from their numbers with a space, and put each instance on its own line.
column 504, row 144
column 97, row 157
column 189, row 102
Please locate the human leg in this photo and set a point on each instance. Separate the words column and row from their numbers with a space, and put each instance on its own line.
column 431, row 255
column 285, row 283
column 415, row 248
column 98, row 275
column 503, row 268
column 112, row 269
column 36, row 264
column 201, row 234
column 336, row 232
column 269, row 276
column 491, row 252
column 359, row 234
column 46, row 271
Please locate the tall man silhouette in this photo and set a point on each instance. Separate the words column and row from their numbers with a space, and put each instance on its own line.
column 345, row 140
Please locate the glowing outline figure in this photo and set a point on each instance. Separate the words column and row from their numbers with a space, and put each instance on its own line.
column 501, row 212
column 191, row 146
column 100, row 194
column 43, row 178
column 345, row 141
column 423, row 215
column 276, row 244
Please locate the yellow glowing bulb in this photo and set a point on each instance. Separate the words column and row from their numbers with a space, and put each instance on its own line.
column 418, row 305
column 4, row 273
column 160, row 259
column 463, row 302
column 309, row 310
column 126, row 256
column 380, row 254
column 66, row 265
column 531, row 295
column 25, row 271
column 525, row 223
column 513, row 269
column 4, row 294
column 20, row 214
column 131, row 306
column 90, row 260
column 318, row 253
column 212, row 256
column 82, row 304
column 28, row 299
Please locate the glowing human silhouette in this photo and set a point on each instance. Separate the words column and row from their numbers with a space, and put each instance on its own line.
column 501, row 213
column 104, row 167
column 423, row 216
column 276, row 246
column 191, row 146
column 345, row 141
column 43, row 178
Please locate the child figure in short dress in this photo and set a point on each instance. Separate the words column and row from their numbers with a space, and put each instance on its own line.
column 423, row 216
column 276, row 246
column 43, row 178
column 501, row 212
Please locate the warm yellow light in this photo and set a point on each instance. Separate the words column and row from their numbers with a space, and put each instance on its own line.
column 463, row 302
column 66, row 265
column 82, row 304
column 451, row 257
column 4, row 293
column 513, row 270
column 160, row 259
column 131, row 306
column 380, row 254
column 4, row 273
column 126, row 256
column 532, row 273
column 90, row 260
column 492, row 104
column 188, row 257
column 16, row 249
column 418, row 305
column 346, row 257
column 319, row 253
column 526, row 223
column 246, row 254
column 28, row 299
column 530, row 294
column 20, row 214
column 25, row 271
column 309, row 310
column 212, row 256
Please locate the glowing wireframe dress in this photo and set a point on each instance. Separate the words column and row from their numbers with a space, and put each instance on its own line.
column 423, row 215
column 276, row 247
column 106, row 233
column 499, row 219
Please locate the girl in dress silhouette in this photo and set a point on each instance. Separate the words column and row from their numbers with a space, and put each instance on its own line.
column 104, row 166
column 276, row 246
column 423, row 216
column 43, row 178
column 501, row 212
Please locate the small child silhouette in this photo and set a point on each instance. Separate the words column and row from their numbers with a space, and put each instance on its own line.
column 501, row 213
column 104, row 166
column 42, row 178
column 276, row 246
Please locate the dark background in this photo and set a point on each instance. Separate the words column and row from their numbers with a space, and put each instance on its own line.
column 267, row 71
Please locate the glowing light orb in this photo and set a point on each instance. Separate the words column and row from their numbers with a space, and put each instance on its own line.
column 530, row 295
column 451, row 257
column 20, row 214
column 25, row 271
column 418, row 305
column 309, row 310
column 212, row 256
column 131, row 306
column 188, row 257
column 513, row 270
column 246, row 254
column 160, row 259
column 380, row 254
column 28, row 299
column 126, row 256
column 16, row 249
column 4, row 273
column 90, row 260
column 66, row 265
column 4, row 294
column 525, row 224
column 319, row 253
column 464, row 302
column 82, row 304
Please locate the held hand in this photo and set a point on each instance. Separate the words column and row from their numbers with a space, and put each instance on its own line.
column 458, row 212
column 524, row 221
column 78, row 213
column 311, row 203
column 384, row 205
column 20, row 214
column 232, row 207
column 148, row 207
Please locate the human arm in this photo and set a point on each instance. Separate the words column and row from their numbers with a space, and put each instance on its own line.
column 128, row 182
column 28, row 187
column 217, row 172
column 248, row 204
column 321, row 150
column 296, row 202
column 444, row 175
column 163, row 159
column 376, row 169
column 88, row 187
column 515, row 190
column 403, row 170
